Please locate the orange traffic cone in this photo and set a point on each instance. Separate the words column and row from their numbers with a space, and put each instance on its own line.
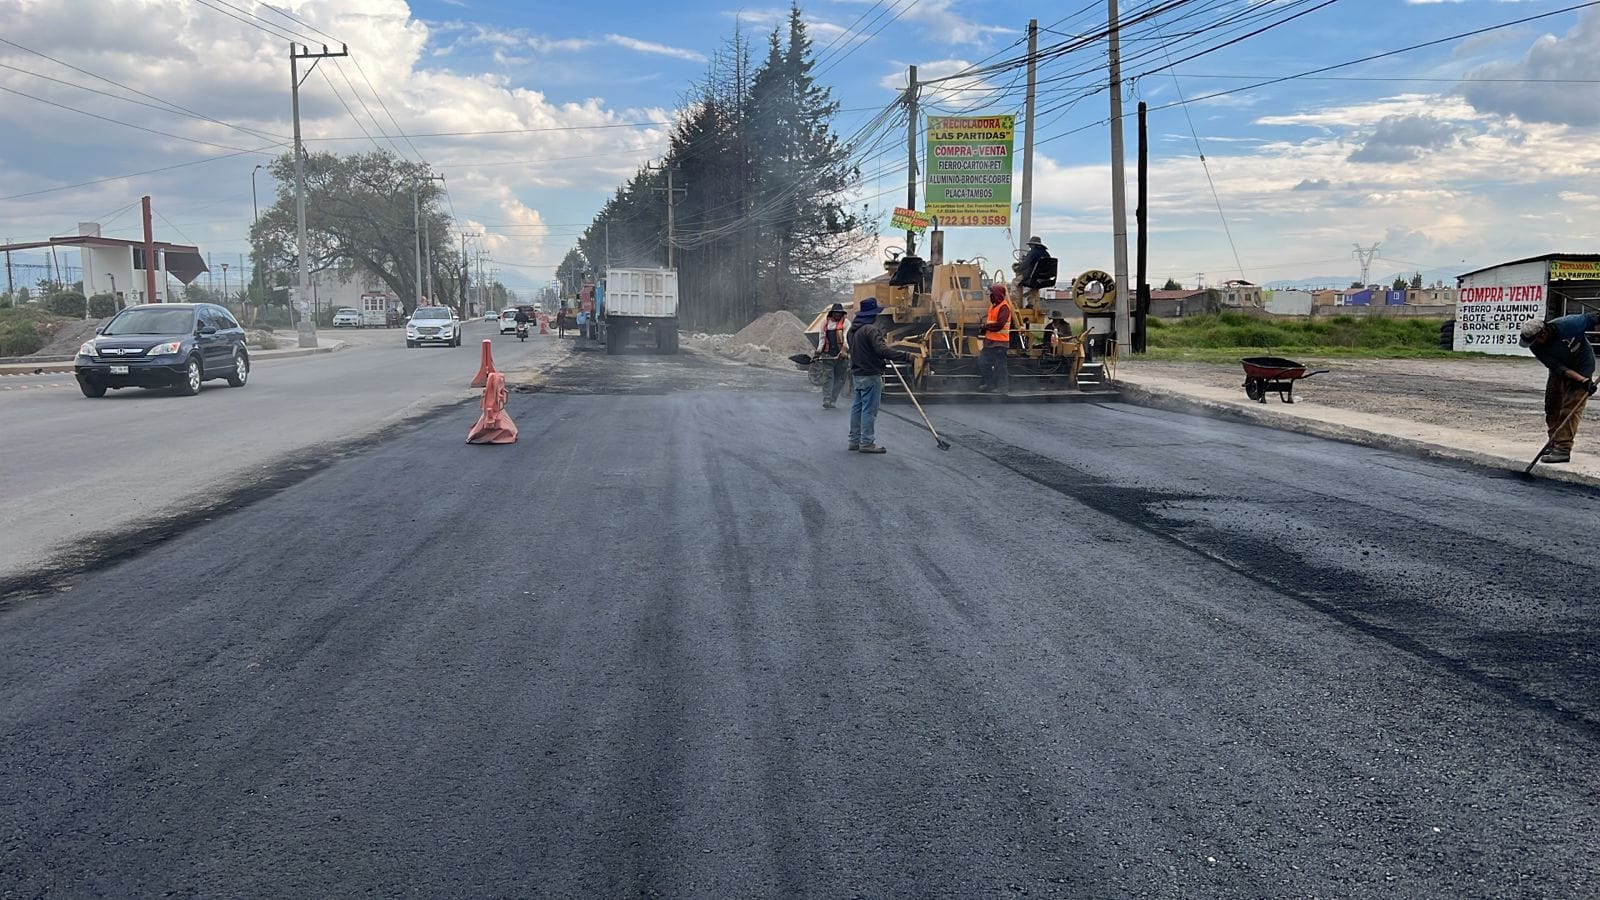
column 544, row 324
column 494, row 425
column 484, row 367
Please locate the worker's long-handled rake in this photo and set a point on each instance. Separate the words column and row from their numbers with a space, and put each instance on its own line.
column 1528, row 472
column 943, row 444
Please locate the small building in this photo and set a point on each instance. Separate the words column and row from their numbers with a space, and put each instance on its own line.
column 1355, row 297
column 1176, row 304
column 117, row 267
column 1238, row 293
column 1325, row 297
column 1493, row 302
column 1432, row 296
column 1289, row 303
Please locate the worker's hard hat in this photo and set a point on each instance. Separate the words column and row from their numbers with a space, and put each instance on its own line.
column 1531, row 330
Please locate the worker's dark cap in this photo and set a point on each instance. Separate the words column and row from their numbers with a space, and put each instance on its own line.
column 867, row 311
column 836, row 308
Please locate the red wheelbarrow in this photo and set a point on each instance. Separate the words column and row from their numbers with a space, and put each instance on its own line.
column 1265, row 375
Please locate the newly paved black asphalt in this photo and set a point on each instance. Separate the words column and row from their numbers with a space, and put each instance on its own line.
column 680, row 643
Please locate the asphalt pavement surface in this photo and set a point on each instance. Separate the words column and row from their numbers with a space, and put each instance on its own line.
column 678, row 642
column 80, row 476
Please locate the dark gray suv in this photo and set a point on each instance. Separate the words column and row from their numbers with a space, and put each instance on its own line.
column 176, row 345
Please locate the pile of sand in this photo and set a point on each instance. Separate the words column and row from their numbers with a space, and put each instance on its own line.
column 779, row 333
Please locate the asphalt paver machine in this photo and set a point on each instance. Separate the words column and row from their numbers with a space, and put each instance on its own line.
column 937, row 312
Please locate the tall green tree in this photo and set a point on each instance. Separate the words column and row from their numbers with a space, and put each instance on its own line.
column 359, row 215
column 760, row 220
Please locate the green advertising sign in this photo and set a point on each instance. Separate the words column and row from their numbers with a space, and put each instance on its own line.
column 968, row 180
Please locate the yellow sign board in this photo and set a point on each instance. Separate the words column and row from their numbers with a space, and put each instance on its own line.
column 1572, row 270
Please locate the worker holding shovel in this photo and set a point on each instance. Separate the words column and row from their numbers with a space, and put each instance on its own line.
column 833, row 352
column 1563, row 346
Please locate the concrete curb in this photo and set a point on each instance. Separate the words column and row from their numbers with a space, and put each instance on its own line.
column 1142, row 395
column 50, row 368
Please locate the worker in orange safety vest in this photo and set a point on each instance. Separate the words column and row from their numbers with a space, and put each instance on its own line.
column 996, row 339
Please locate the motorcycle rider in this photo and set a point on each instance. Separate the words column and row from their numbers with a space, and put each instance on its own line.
column 522, row 322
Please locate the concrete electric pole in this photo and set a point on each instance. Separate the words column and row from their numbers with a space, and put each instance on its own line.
column 308, row 328
column 1119, row 191
column 671, row 190
column 1026, row 211
column 912, row 117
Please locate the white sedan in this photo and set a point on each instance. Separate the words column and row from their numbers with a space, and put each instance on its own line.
column 508, row 321
column 490, row 316
column 347, row 318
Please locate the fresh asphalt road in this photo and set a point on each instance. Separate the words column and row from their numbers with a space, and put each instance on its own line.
column 76, row 472
column 680, row 643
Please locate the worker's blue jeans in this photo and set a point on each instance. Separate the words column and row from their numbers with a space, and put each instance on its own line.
column 868, row 394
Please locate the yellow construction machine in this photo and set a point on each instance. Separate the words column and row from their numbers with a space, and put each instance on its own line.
column 938, row 314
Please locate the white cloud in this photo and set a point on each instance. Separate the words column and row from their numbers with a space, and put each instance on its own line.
column 222, row 67
column 651, row 47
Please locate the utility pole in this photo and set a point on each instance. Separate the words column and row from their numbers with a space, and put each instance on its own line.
column 308, row 328
column 11, row 289
column 224, row 283
column 421, row 237
column 607, row 266
column 911, row 153
column 1119, row 190
column 466, row 275
column 672, row 191
column 255, row 220
column 1142, row 245
column 1026, row 213
column 1365, row 255
column 149, row 254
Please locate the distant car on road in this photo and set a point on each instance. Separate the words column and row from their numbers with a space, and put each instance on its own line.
column 347, row 318
column 508, row 321
column 433, row 325
column 490, row 316
column 176, row 345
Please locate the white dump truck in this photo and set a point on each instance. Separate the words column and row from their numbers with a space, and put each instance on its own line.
column 640, row 306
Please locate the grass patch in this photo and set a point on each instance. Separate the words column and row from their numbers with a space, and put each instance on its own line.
column 1230, row 336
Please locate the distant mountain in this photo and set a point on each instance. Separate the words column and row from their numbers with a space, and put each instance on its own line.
column 1316, row 282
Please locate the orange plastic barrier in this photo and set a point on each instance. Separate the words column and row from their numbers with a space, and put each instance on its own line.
column 544, row 324
column 484, row 367
column 494, row 425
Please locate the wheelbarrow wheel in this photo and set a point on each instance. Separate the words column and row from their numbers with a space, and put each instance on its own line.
column 1254, row 390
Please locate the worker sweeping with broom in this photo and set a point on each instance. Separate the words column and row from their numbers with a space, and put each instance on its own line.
column 870, row 354
column 1562, row 344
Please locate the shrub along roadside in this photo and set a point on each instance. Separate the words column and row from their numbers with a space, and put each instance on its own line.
column 24, row 330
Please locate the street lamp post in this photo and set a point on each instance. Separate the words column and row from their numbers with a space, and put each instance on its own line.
column 255, row 220
column 224, row 284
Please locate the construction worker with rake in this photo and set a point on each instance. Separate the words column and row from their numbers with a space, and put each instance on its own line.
column 1562, row 344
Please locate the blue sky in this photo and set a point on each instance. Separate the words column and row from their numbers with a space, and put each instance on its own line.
column 1450, row 157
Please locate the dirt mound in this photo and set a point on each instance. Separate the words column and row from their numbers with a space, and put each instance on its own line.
column 779, row 333
column 67, row 337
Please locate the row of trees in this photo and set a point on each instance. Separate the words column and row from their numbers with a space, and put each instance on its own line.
column 759, row 178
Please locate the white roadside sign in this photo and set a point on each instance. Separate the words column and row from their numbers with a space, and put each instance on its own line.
column 1492, row 305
